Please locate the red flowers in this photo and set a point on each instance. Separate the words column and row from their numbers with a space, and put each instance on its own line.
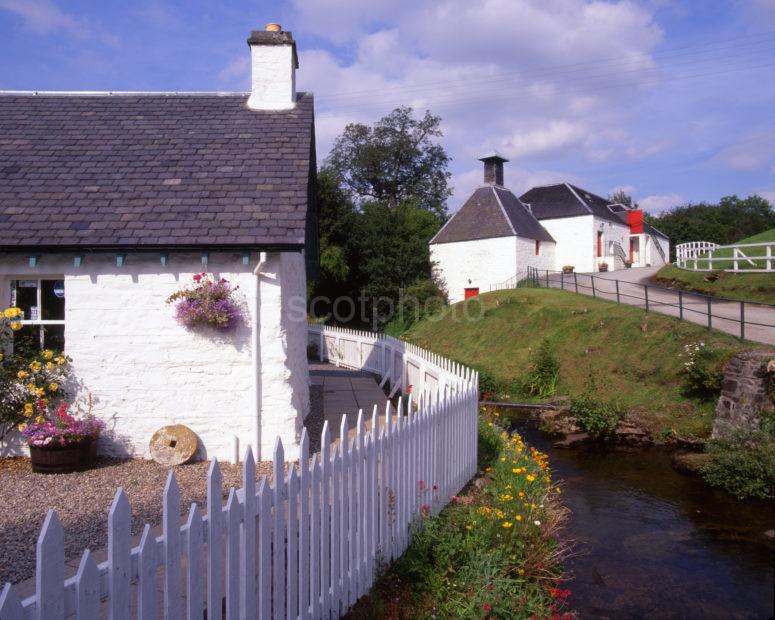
column 487, row 608
column 198, row 277
column 426, row 509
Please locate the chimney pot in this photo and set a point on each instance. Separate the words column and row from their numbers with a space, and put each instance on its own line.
column 273, row 27
column 493, row 168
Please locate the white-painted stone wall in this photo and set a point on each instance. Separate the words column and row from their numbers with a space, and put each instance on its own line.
column 573, row 236
column 612, row 232
column 144, row 370
column 479, row 263
column 526, row 254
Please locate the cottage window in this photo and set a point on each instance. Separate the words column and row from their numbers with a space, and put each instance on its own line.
column 43, row 304
column 538, row 247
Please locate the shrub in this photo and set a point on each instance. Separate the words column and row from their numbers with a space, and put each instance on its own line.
column 489, row 385
column 743, row 465
column 598, row 418
column 421, row 299
column 541, row 380
column 31, row 381
column 702, row 370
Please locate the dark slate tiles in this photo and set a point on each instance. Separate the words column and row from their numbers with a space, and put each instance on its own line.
column 171, row 169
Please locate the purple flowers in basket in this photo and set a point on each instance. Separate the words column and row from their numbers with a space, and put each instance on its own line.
column 208, row 302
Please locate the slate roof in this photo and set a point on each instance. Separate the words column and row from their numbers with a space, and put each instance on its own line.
column 566, row 200
column 153, row 170
column 491, row 212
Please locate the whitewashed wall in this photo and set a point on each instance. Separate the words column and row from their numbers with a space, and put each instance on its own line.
column 526, row 254
column 654, row 257
column 144, row 370
column 482, row 261
column 283, row 386
column 611, row 232
column 573, row 236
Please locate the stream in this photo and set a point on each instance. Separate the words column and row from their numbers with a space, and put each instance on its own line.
column 655, row 543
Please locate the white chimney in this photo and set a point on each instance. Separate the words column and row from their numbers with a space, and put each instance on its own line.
column 273, row 69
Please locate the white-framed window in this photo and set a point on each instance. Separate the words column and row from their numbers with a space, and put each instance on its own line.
column 43, row 302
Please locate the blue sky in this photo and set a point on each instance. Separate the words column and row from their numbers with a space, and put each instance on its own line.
column 672, row 100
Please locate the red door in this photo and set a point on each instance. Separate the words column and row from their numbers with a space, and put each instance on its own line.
column 632, row 249
column 471, row 292
column 599, row 243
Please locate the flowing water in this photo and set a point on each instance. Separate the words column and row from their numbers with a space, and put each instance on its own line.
column 656, row 543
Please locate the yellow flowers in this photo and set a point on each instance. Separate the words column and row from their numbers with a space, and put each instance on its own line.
column 59, row 360
column 16, row 326
column 35, row 366
column 50, row 366
column 558, row 490
column 13, row 313
column 530, row 477
column 469, row 527
column 22, row 426
column 507, row 524
column 518, row 517
column 47, row 354
column 22, row 374
column 28, row 409
column 53, row 386
column 516, row 470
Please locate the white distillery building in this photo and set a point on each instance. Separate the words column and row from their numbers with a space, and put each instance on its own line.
column 492, row 237
column 495, row 236
column 111, row 202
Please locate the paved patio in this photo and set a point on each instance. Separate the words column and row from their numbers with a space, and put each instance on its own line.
column 345, row 392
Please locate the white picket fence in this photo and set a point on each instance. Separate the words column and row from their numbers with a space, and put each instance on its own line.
column 308, row 544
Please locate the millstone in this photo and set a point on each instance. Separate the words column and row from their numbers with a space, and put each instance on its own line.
column 173, row 445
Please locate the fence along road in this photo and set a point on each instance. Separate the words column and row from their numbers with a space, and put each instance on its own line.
column 305, row 545
column 750, row 321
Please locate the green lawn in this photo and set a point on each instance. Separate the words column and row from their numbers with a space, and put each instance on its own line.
column 635, row 357
column 756, row 287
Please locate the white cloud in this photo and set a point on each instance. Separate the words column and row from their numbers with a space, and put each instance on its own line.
column 41, row 16
column 659, row 203
column 557, row 135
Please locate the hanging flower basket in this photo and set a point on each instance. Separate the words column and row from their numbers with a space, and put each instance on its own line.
column 208, row 302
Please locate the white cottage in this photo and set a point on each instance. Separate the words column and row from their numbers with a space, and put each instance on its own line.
column 110, row 202
column 590, row 230
column 491, row 238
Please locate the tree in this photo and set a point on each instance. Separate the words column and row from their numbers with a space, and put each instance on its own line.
column 394, row 161
column 727, row 222
column 622, row 197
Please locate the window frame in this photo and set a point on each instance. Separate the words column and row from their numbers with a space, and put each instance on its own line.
column 39, row 301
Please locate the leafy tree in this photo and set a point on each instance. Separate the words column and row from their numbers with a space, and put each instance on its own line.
column 392, row 246
column 394, row 161
column 622, row 197
column 729, row 221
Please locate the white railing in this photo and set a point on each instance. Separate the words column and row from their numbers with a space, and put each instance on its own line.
column 307, row 544
column 693, row 249
column 739, row 257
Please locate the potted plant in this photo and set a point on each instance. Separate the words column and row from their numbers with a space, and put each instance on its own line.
column 567, row 268
column 628, row 263
column 63, row 444
column 602, row 267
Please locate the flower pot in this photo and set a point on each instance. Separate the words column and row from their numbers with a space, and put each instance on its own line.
column 64, row 459
column 603, row 267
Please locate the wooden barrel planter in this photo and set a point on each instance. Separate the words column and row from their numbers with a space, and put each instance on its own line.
column 64, row 459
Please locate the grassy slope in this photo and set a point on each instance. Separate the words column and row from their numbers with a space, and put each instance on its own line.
column 636, row 357
column 744, row 286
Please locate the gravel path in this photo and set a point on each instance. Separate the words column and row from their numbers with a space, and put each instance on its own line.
column 82, row 501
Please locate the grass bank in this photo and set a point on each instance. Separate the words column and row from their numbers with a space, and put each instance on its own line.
column 491, row 553
column 636, row 358
column 755, row 287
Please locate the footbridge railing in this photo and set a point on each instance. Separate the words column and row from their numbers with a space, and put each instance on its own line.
column 738, row 257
